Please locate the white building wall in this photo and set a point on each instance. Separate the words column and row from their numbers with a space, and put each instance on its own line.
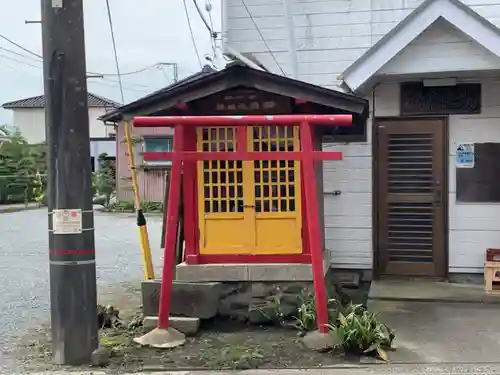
column 442, row 48
column 474, row 227
column 331, row 34
column 96, row 127
column 31, row 122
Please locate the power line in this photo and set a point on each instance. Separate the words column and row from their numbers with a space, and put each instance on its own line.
column 109, row 84
column 115, row 52
column 149, row 67
column 20, row 46
column 19, row 61
column 262, row 37
column 19, row 54
column 192, row 35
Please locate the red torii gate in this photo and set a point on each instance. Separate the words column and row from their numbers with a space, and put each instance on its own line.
column 306, row 155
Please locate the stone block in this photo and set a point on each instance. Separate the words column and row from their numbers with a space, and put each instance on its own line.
column 349, row 279
column 315, row 340
column 188, row 326
column 150, row 290
column 197, row 300
column 211, row 272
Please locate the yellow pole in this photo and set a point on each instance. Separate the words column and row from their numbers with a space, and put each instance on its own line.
column 141, row 219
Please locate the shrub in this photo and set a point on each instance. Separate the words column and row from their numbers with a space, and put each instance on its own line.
column 362, row 333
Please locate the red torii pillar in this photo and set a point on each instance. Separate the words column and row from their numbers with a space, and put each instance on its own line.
column 306, row 155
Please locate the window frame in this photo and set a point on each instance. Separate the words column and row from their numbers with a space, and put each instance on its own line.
column 157, row 163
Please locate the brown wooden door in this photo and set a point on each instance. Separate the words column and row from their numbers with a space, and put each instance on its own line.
column 410, row 177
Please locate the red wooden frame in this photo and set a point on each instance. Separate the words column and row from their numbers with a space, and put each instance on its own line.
column 184, row 157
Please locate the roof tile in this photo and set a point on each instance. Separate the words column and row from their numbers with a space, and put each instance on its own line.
column 39, row 102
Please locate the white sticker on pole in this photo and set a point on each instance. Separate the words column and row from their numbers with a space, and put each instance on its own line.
column 67, row 221
column 57, row 3
column 465, row 156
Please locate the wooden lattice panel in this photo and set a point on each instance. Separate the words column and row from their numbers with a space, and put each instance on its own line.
column 222, row 180
column 275, row 180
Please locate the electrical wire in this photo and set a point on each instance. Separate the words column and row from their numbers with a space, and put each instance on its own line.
column 20, row 46
column 200, row 13
column 192, row 34
column 110, row 19
column 19, row 54
column 110, row 82
column 19, row 61
column 262, row 37
column 149, row 67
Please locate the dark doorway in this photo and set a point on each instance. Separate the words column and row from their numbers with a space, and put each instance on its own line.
column 411, row 197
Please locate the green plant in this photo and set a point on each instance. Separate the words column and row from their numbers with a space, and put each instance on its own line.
column 305, row 319
column 362, row 333
column 121, row 206
column 104, row 181
column 235, row 357
column 21, row 168
column 336, row 308
column 149, row 206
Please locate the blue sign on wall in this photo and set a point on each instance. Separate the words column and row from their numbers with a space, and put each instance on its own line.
column 465, row 155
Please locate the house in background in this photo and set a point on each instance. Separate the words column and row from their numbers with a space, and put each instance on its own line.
column 418, row 193
column 151, row 176
column 29, row 118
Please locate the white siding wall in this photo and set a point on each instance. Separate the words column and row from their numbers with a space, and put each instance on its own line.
column 31, row 122
column 96, row 127
column 331, row 34
column 348, row 217
column 445, row 49
column 474, row 227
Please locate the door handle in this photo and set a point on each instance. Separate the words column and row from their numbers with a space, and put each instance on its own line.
column 249, row 205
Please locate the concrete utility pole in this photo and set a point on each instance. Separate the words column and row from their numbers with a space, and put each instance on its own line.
column 73, row 294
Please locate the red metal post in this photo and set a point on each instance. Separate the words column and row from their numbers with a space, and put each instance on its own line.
column 170, row 121
column 171, row 228
column 189, row 193
column 312, row 213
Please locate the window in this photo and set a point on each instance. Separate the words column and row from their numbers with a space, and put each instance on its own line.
column 480, row 184
column 343, row 134
column 158, row 144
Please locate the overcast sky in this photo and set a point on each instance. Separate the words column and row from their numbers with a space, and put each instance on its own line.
column 147, row 32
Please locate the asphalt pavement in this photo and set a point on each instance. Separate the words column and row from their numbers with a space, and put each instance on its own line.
column 24, row 267
column 372, row 370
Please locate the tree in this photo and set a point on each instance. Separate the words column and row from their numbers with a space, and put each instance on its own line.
column 106, row 177
column 21, row 168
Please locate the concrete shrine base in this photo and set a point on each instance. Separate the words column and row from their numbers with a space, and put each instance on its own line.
column 248, row 292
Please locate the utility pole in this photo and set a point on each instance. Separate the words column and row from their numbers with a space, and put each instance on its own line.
column 73, row 294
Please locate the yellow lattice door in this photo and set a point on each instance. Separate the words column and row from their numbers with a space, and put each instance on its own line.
column 249, row 207
column 223, row 228
column 277, row 192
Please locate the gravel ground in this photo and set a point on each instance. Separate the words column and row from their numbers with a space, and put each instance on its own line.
column 24, row 293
